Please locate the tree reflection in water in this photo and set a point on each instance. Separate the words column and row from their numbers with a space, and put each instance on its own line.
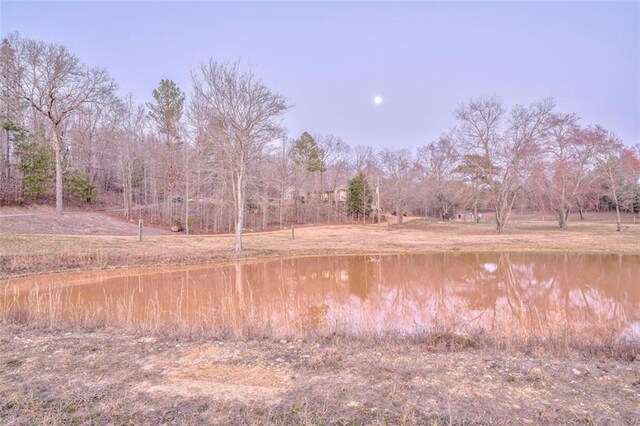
column 509, row 293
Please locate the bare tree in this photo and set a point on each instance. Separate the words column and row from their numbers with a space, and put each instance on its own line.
column 283, row 173
column 438, row 162
column 630, row 178
column 570, row 153
column 364, row 159
column 617, row 166
column 56, row 84
column 500, row 147
column 132, row 134
column 334, row 154
column 398, row 177
column 245, row 114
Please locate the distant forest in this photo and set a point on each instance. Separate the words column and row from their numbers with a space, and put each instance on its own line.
column 215, row 156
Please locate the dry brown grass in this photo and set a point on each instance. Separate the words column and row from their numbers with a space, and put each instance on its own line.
column 24, row 254
column 49, row 309
column 114, row 376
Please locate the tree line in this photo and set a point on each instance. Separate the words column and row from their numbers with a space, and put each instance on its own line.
column 219, row 158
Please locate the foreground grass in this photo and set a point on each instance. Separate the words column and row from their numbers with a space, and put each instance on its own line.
column 25, row 254
column 117, row 376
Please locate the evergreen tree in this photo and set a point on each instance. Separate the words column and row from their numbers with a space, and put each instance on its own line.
column 79, row 185
column 360, row 196
column 308, row 152
column 166, row 111
column 36, row 162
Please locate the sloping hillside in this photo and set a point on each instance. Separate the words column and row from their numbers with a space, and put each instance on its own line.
column 43, row 220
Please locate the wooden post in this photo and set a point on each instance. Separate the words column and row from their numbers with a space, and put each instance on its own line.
column 139, row 229
column 293, row 232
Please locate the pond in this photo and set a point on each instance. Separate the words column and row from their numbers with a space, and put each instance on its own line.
column 402, row 293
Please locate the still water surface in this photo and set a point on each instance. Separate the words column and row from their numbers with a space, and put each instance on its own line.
column 510, row 293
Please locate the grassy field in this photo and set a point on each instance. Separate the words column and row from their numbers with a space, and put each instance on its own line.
column 26, row 254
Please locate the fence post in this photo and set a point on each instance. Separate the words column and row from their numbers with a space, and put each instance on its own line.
column 139, row 229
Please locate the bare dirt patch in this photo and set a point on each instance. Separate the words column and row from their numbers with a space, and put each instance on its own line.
column 209, row 369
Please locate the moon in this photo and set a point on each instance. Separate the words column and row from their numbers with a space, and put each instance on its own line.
column 377, row 100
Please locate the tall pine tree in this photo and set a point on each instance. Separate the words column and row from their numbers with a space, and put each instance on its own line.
column 308, row 152
column 360, row 196
column 166, row 111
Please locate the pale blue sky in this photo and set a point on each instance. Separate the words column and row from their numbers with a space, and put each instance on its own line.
column 330, row 59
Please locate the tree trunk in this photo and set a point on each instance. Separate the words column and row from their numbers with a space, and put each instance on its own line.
column 125, row 194
column 319, row 200
column 239, row 207
column 364, row 204
column 563, row 217
column 378, row 198
column 8, row 158
column 265, row 211
column 500, row 220
column 280, row 208
column 186, row 203
column 503, row 208
column 57, row 145
column 581, row 211
column 615, row 200
column 127, row 190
